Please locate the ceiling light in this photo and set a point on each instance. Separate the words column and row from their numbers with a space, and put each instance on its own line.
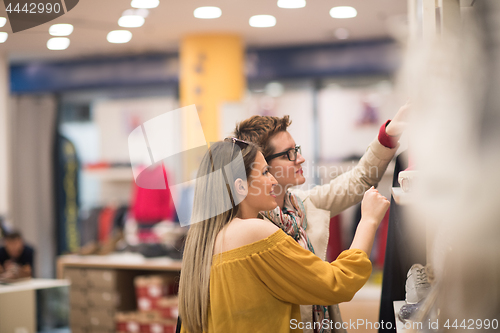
column 3, row 20
column 131, row 21
column 140, row 11
column 262, row 21
column 145, row 3
column 119, row 36
column 208, row 12
column 343, row 12
column 3, row 37
column 291, row 3
column 58, row 43
column 341, row 33
column 274, row 89
column 62, row 29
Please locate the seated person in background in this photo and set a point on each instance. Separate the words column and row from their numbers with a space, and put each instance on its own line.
column 16, row 258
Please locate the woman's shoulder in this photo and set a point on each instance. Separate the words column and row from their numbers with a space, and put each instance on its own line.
column 241, row 232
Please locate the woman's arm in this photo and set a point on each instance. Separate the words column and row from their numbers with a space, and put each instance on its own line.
column 373, row 209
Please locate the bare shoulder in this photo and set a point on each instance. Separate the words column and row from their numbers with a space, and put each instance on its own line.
column 241, row 232
column 260, row 229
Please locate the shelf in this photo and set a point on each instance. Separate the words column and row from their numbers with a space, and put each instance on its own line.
column 400, row 327
column 128, row 261
column 401, row 198
column 111, row 174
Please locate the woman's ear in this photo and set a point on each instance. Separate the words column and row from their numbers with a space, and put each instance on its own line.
column 241, row 188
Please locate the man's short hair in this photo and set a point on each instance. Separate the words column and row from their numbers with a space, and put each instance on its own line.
column 260, row 130
column 14, row 234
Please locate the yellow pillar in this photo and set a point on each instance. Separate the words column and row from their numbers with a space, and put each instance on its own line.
column 212, row 72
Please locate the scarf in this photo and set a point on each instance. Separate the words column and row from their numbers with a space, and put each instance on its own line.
column 292, row 220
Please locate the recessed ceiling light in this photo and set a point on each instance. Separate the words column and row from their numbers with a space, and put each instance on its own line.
column 3, row 20
column 291, row 3
column 3, row 37
column 343, row 12
column 262, row 21
column 274, row 89
column 119, row 36
column 145, row 3
column 142, row 12
column 61, row 29
column 341, row 33
column 58, row 43
column 139, row 11
column 131, row 21
column 207, row 12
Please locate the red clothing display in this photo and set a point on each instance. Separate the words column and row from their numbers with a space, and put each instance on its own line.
column 151, row 206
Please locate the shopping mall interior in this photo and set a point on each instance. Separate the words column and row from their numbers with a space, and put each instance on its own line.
column 108, row 107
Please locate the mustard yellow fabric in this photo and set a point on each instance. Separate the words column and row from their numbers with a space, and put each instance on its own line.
column 258, row 287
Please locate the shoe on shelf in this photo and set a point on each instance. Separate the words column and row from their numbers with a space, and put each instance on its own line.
column 417, row 284
column 408, row 311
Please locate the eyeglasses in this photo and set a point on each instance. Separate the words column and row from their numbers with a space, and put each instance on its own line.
column 291, row 154
column 242, row 144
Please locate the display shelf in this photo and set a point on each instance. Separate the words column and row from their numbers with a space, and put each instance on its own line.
column 400, row 327
column 118, row 261
column 97, row 280
column 111, row 174
column 401, row 197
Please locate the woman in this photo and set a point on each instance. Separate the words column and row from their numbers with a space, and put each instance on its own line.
column 244, row 274
column 305, row 215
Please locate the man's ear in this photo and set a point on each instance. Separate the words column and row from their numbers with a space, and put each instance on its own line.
column 241, row 187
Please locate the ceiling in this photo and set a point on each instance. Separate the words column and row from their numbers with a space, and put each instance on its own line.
column 166, row 24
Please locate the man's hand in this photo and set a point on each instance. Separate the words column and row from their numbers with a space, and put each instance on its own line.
column 398, row 124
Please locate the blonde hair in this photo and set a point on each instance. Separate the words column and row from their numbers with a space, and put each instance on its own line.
column 210, row 191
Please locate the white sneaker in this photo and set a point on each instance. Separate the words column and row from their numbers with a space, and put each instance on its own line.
column 417, row 284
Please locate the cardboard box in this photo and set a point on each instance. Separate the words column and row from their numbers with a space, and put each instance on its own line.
column 77, row 277
column 103, row 299
column 127, row 322
column 79, row 330
column 78, row 297
column 168, row 307
column 149, row 289
column 103, row 279
column 157, row 326
column 101, row 319
column 78, row 318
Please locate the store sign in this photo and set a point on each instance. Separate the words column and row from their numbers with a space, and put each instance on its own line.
column 24, row 14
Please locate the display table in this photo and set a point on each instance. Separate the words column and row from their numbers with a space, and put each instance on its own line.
column 18, row 303
column 102, row 286
column 118, row 262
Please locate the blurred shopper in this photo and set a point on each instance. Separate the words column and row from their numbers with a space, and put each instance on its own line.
column 244, row 274
column 305, row 215
column 16, row 258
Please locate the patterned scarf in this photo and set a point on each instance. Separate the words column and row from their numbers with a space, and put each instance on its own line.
column 292, row 220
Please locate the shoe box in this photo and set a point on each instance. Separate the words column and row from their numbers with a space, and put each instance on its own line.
column 144, row 322
column 157, row 305
column 96, row 295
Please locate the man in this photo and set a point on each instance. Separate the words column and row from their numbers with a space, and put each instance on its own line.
column 305, row 215
column 16, row 258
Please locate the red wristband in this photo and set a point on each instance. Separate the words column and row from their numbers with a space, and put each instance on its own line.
column 385, row 139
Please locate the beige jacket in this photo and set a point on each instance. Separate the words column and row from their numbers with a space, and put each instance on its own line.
column 324, row 201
